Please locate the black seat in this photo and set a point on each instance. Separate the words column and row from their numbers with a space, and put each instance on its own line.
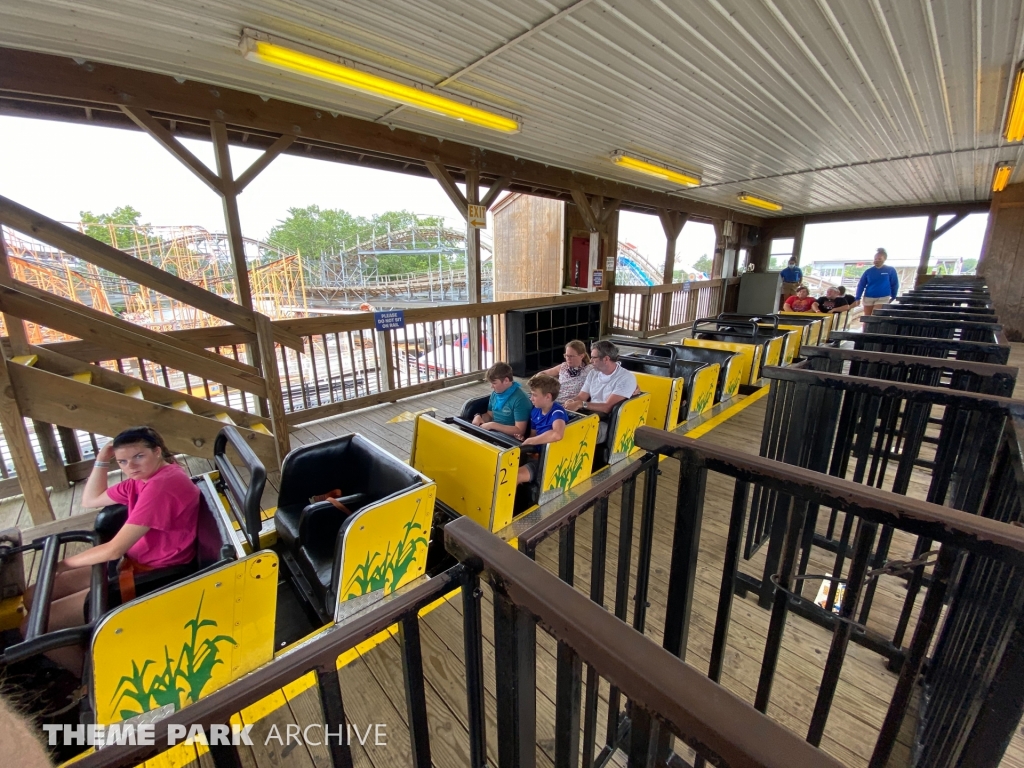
column 474, row 406
column 311, row 532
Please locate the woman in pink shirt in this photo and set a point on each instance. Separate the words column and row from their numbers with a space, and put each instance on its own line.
column 163, row 510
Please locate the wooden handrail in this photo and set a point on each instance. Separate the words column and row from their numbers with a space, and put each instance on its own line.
column 226, row 335
column 129, row 340
column 692, row 705
column 647, row 290
column 107, row 257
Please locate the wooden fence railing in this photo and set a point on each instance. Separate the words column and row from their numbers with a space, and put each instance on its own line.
column 345, row 362
column 644, row 311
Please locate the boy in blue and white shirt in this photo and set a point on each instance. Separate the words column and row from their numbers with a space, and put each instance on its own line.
column 547, row 420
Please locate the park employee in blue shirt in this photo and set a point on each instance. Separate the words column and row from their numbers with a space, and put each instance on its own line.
column 792, row 276
column 879, row 284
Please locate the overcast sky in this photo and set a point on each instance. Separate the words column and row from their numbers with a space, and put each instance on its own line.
column 61, row 169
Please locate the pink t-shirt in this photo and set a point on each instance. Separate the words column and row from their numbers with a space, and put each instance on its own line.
column 168, row 504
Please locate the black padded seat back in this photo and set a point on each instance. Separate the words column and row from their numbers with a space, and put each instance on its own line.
column 214, row 540
column 313, row 532
column 351, row 464
column 474, row 406
column 637, row 364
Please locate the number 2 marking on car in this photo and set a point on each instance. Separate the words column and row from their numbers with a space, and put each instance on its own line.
column 504, row 476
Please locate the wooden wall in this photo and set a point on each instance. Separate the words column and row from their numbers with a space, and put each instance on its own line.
column 528, row 247
column 1002, row 259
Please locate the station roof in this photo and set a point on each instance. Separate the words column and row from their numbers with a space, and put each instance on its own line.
column 820, row 105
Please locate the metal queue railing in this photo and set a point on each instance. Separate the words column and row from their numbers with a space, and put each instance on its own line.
column 992, row 543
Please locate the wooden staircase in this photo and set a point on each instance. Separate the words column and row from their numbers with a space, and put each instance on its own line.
column 69, row 390
column 60, row 390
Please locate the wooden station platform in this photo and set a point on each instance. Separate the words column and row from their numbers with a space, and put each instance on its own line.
column 372, row 682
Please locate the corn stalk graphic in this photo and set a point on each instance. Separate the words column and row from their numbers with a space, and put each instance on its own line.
column 179, row 682
column 569, row 468
column 626, row 440
column 702, row 401
column 392, row 567
column 732, row 384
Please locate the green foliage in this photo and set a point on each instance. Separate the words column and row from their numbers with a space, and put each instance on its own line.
column 319, row 233
column 855, row 271
column 96, row 225
column 194, row 668
column 969, row 267
column 371, row 576
column 703, row 264
column 568, row 469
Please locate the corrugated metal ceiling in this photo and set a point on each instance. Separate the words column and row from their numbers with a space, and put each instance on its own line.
column 819, row 104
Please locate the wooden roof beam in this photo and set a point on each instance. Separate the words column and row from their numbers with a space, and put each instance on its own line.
column 28, row 72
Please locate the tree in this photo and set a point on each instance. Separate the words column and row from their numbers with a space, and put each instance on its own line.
column 703, row 264
column 313, row 231
column 98, row 225
column 969, row 267
column 321, row 233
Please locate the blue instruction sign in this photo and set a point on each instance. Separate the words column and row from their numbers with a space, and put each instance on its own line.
column 389, row 321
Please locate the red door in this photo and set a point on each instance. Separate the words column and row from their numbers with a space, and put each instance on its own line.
column 580, row 262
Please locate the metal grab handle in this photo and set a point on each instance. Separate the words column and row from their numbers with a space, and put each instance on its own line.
column 735, row 317
column 37, row 639
column 716, row 329
column 671, row 356
column 243, row 499
column 494, row 437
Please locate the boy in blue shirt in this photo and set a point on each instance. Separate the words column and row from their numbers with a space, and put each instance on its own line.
column 879, row 284
column 508, row 408
column 547, row 420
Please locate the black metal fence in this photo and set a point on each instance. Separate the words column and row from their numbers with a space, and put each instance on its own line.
column 974, row 688
column 994, row 544
column 934, row 327
column 981, row 352
column 878, row 433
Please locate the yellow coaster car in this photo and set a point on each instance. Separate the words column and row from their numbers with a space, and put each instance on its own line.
column 680, row 389
column 353, row 525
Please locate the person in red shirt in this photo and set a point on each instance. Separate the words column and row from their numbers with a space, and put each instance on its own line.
column 163, row 511
column 802, row 301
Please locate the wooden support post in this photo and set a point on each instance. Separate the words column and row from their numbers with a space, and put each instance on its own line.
column 473, row 269
column 18, row 337
column 275, row 398
column 672, row 222
column 385, row 360
column 798, row 240
column 36, row 498
column 243, row 290
column 609, row 275
column 926, row 247
column 931, row 234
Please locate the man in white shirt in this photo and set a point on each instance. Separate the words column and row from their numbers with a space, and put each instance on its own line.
column 609, row 383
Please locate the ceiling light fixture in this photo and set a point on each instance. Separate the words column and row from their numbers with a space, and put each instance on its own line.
column 758, row 202
column 1015, row 117
column 261, row 48
column 682, row 178
column 1001, row 176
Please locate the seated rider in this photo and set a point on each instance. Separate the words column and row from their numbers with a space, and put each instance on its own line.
column 508, row 408
column 835, row 301
column 801, row 302
column 609, row 383
column 547, row 421
column 163, row 512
